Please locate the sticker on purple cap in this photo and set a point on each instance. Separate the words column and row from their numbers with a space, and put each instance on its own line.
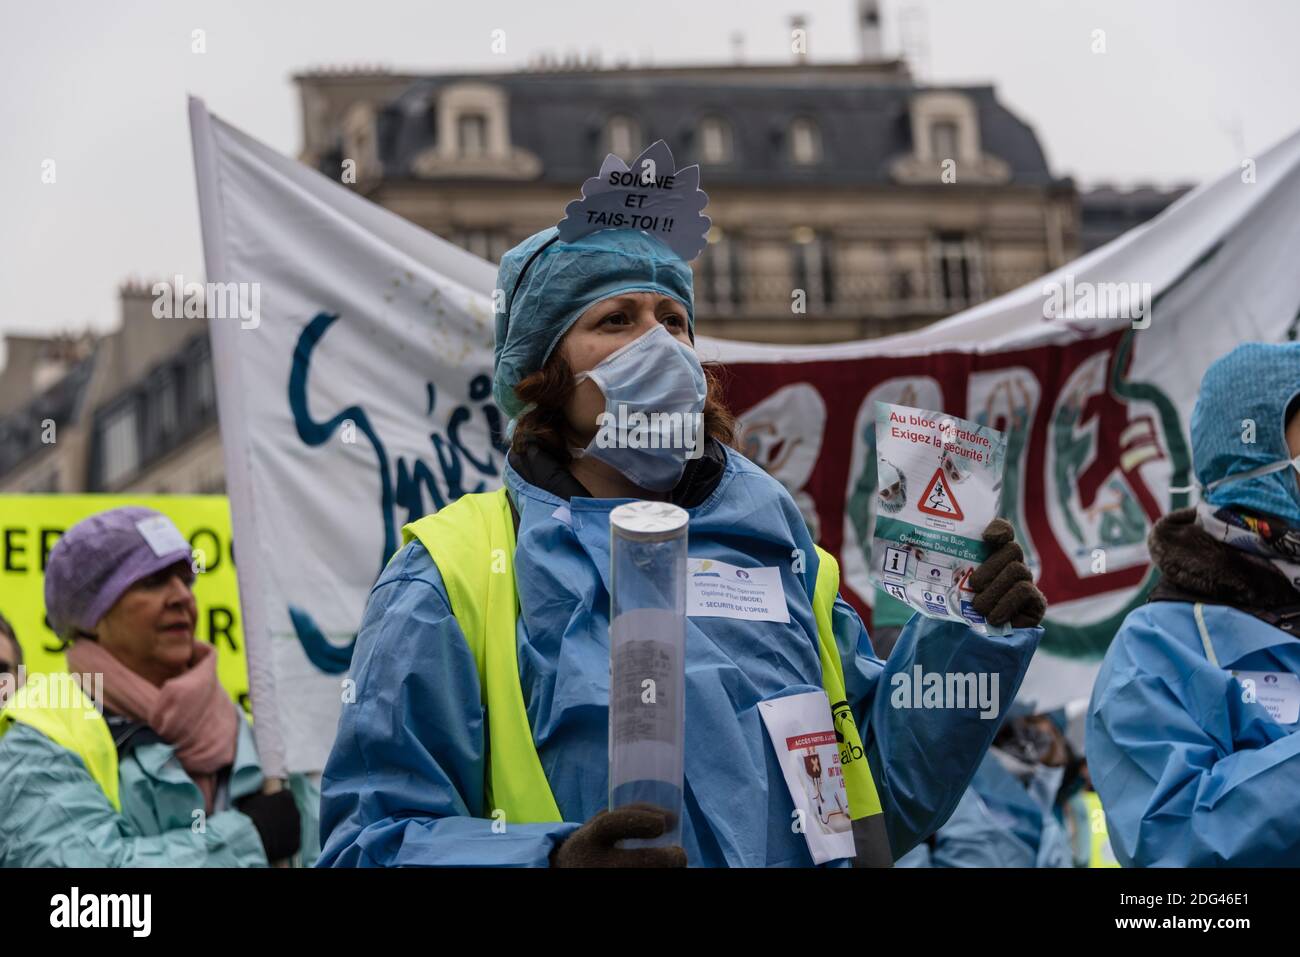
column 161, row 535
column 651, row 195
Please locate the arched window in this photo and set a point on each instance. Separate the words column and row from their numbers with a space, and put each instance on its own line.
column 715, row 140
column 471, row 134
column 944, row 141
column 805, row 141
column 622, row 137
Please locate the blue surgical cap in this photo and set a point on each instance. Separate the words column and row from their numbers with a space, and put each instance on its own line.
column 1245, row 395
column 563, row 282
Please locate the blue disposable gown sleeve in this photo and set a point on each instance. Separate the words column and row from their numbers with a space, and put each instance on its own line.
column 404, row 783
column 54, row 814
column 1175, row 792
column 972, row 838
column 923, row 759
column 1054, row 845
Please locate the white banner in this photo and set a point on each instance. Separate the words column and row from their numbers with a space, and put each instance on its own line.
column 359, row 399
column 1091, row 371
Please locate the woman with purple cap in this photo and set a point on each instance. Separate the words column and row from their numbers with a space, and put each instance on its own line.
column 165, row 773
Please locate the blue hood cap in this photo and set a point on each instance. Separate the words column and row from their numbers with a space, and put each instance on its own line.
column 1254, row 382
column 563, row 282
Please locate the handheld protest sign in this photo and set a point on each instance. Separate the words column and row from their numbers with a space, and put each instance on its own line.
column 940, row 484
column 651, row 195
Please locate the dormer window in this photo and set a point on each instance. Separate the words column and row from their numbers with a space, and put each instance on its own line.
column 472, row 135
column 622, row 137
column 943, row 139
column 945, row 126
column 805, row 141
column 715, row 140
column 121, row 444
column 946, row 143
column 359, row 142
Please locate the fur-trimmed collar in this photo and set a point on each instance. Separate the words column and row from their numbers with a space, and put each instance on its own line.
column 1206, row 569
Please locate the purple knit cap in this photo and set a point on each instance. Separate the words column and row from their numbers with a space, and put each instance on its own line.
column 102, row 556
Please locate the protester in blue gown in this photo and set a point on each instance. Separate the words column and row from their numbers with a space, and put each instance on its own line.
column 1191, row 731
column 412, row 779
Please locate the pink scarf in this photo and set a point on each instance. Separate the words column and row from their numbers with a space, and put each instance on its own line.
column 191, row 712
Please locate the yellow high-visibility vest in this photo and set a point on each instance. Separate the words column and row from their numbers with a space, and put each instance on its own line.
column 472, row 541
column 72, row 722
column 1100, row 853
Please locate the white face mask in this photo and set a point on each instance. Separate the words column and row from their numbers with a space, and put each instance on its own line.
column 653, row 421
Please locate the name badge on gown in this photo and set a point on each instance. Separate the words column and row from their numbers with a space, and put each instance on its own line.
column 803, row 734
column 715, row 589
column 1278, row 692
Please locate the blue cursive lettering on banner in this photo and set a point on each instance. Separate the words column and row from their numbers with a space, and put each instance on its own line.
column 417, row 488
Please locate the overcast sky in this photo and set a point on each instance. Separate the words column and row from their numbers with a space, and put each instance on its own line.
column 1182, row 92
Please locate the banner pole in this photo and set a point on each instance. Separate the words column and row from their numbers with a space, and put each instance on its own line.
column 267, row 729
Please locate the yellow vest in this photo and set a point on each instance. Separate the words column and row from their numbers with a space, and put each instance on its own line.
column 1100, row 853
column 57, row 707
column 472, row 541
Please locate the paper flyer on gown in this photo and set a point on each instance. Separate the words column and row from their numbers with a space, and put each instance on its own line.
column 939, row 486
column 803, row 733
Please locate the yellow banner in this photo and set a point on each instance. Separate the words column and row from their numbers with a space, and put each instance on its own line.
column 31, row 524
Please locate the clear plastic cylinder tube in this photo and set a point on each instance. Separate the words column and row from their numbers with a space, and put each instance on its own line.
column 647, row 660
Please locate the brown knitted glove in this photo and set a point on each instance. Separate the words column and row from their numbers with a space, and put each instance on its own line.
column 1003, row 585
column 592, row 845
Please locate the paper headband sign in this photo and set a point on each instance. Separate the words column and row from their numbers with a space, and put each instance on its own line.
column 651, row 195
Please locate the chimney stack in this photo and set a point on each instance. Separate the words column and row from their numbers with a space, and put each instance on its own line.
column 869, row 34
column 799, row 38
column 738, row 47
